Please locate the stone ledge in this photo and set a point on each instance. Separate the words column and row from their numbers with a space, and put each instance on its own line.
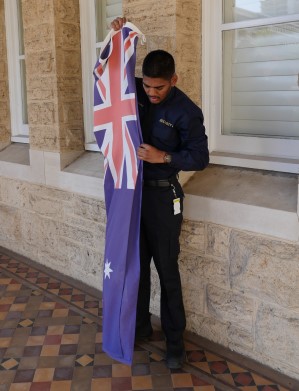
column 258, row 201
column 268, row 189
column 16, row 153
column 280, row 224
column 89, row 164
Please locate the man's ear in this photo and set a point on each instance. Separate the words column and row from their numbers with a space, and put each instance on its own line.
column 174, row 80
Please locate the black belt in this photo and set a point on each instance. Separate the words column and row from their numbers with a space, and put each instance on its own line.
column 158, row 182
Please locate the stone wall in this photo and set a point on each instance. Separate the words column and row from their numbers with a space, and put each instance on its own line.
column 188, row 47
column 4, row 94
column 58, row 229
column 53, row 74
column 177, row 30
column 242, row 291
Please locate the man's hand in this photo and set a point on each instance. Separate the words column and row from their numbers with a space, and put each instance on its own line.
column 118, row 23
column 150, row 154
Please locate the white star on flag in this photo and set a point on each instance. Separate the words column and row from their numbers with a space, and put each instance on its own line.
column 107, row 269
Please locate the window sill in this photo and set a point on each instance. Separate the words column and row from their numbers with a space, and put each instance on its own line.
column 83, row 175
column 256, row 162
column 89, row 164
column 92, row 147
column 259, row 201
column 20, row 139
column 18, row 161
column 16, row 153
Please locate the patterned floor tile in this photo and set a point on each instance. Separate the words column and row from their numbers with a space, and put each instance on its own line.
column 51, row 340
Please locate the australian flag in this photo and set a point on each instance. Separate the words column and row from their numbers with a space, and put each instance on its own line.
column 118, row 134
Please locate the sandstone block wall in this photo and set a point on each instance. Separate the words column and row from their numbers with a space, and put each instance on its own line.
column 173, row 26
column 53, row 74
column 58, row 229
column 188, row 47
column 242, row 291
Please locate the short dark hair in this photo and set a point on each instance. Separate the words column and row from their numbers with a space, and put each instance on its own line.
column 158, row 63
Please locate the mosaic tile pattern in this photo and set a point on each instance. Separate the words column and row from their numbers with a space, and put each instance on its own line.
column 51, row 340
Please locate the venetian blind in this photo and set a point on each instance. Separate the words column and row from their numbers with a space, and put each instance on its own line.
column 261, row 72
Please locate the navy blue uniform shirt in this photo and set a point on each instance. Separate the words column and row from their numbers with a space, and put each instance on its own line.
column 175, row 126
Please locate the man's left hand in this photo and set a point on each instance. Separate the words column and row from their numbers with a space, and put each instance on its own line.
column 150, row 154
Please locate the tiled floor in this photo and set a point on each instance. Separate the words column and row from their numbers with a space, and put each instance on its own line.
column 50, row 340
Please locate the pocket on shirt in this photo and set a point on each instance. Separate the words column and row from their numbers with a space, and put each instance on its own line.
column 165, row 135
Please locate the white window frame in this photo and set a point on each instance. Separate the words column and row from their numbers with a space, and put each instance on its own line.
column 276, row 154
column 19, row 130
column 89, row 45
column 88, row 56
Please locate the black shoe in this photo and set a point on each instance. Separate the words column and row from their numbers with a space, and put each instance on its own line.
column 175, row 361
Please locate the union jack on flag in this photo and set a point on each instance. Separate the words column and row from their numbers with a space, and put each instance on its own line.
column 115, row 105
column 118, row 134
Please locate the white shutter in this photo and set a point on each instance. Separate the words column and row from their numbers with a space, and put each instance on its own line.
column 260, row 78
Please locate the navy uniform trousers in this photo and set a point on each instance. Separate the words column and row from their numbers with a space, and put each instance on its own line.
column 159, row 239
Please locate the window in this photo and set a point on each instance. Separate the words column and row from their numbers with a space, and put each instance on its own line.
column 95, row 18
column 16, row 71
column 251, row 82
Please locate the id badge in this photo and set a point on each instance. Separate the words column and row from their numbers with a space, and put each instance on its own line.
column 176, row 206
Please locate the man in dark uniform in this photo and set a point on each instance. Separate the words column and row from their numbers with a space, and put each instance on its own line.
column 173, row 140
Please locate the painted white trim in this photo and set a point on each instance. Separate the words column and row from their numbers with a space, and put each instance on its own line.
column 88, row 58
column 45, row 169
column 92, row 147
column 31, row 173
column 278, row 223
column 14, row 71
column 211, row 65
column 20, row 139
column 268, row 147
column 260, row 22
column 275, row 149
column 82, row 184
column 257, row 162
